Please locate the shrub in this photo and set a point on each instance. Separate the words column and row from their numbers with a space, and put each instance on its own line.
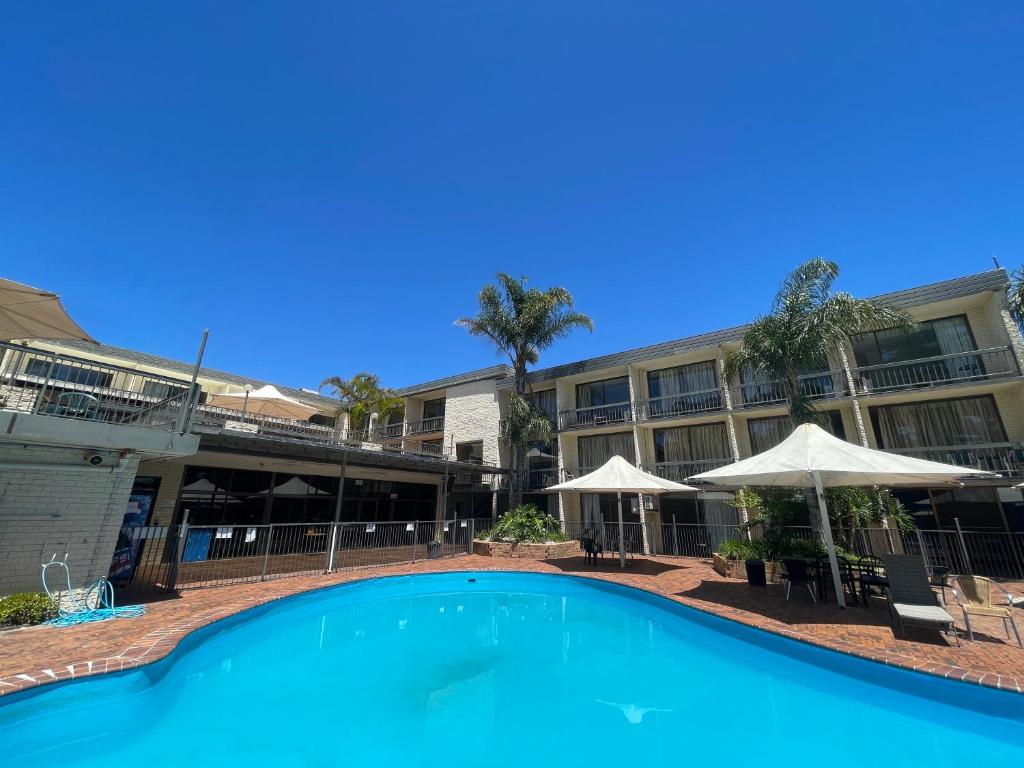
column 741, row 549
column 525, row 524
column 26, row 608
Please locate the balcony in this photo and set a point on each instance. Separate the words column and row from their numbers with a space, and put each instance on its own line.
column 63, row 386
column 596, row 416
column 962, row 367
column 682, row 404
column 393, row 430
column 1005, row 458
column 678, row 471
column 425, row 426
column 816, row 386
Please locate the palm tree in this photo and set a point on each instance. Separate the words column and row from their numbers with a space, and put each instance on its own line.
column 808, row 320
column 1015, row 296
column 361, row 396
column 521, row 322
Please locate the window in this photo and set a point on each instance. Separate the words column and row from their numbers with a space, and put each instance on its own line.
column 944, row 338
column 606, row 392
column 71, row 374
column 756, row 388
column 704, row 443
column 684, row 389
column 545, row 400
column 767, row 433
column 433, row 409
column 939, row 423
column 472, row 452
column 163, row 390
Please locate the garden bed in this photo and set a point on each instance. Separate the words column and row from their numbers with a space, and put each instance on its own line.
column 737, row 569
column 549, row 550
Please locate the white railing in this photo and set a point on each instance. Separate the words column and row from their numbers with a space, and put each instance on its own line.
column 681, row 404
column 425, row 426
column 596, row 416
column 69, row 387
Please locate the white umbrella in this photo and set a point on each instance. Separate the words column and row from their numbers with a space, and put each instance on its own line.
column 265, row 401
column 31, row 313
column 812, row 458
column 617, row 476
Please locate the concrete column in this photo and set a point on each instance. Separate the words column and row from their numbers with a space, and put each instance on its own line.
column 634, row 396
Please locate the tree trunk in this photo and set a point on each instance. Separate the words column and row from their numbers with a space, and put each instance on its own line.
column 517, row 463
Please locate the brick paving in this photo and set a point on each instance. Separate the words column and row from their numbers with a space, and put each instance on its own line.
column 39, row 655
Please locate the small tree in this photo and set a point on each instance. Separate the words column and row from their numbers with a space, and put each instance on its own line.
column 1015, row 296
column 361, row 396
column 521, row 322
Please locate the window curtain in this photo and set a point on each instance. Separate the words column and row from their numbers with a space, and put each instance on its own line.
column 940, row 423
column 595, row 451
column 584, row 398
column 954, row 336
column 696, row 377
column 707, row 442
column 767, row 433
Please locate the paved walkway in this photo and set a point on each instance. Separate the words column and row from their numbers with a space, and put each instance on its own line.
column 39, row 655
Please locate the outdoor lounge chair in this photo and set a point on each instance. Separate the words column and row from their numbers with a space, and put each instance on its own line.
column 976, row 597
column 911, row 597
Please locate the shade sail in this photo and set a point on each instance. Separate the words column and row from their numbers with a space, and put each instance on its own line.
column 617, row 474
column 31, row 313
column 810, row 449
column 265, row 401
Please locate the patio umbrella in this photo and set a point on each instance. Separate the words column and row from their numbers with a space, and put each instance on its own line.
column 265, row 401
column 618, row 476
column 812, row 458
column 31, row 313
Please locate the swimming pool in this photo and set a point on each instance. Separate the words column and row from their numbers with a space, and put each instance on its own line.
column 502, row 669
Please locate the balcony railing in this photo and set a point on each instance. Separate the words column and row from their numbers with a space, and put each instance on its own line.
column 980, row 365
column 681, row 404
column 1005, row 458
column 425, row 426
column 393, row 430
column 814, row 385
column 571, row 473
column 68, row 387
column 678, row 471
column 596, row 416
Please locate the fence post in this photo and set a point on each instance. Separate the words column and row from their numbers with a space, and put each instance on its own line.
column 179, row 552
column 472, row 535
column 675, row 538
column 963, row 544
column 266, row 554
column 922, row 549
column 330, row 550
column 415, row 537
column 42, row 390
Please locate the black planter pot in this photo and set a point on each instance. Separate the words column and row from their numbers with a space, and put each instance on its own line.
column 755, row 573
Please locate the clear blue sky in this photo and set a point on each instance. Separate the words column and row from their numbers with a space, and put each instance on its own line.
column 327, row 185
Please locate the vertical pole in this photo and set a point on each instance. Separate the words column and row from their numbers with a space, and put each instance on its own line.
column 675, row 538
column 184, row 418
column 826, row 533
column 921, row 548
column 42, row 390
column 179, row 552
column 963, row 544
column 266, row 554
column 337, row 510
column 622, row 535
column 472, row 535
column 415, row 537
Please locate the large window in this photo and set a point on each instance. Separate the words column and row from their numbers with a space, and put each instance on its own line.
column 758, row 389
column 595, row 451
column 546, row 401
column 472, row 452
column 433, row 409
column 706, row 443
column 684, row 389
column 601, row 402
column 767, row 433
column 939, row 423
column 945, row 339
column 70, row 374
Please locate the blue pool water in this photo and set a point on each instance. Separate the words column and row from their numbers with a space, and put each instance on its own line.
column 506, row 670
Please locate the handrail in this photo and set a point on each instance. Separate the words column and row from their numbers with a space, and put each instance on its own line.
column 665, row 405
column 620, row 412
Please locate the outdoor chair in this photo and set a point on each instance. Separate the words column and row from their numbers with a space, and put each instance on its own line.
column 798, row 572
column 978, row 596
column 591, row 549
column 846, row 577
column 911, row 597
column 872, row 576
column 74, row 404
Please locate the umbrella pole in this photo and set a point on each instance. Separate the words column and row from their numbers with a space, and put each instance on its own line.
column 826, row 532
column 622, row 535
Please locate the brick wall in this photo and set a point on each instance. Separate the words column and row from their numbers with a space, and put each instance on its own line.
column 46, row 511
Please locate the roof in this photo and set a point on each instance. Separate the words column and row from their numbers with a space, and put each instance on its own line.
column 494, row 372
column 176, row 366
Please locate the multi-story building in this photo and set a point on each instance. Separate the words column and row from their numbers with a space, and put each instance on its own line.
column 950, row 390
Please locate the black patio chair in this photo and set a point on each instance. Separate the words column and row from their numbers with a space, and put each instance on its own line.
column 846, row 576
column 872, row 576
column 798, row 572
column 591, row 549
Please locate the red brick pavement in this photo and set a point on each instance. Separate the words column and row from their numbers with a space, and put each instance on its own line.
column 39, row 655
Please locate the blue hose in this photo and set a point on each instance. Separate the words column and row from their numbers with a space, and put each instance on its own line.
column 95, row 604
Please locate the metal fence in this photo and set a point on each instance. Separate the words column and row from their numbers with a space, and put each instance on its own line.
column 165, row 558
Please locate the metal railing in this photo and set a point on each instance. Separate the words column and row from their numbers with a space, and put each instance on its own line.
column 678, row 471
column 68, row 387
column 205, row 556
column 425, row 426
column 1005, row 458
column 816, row 386
column 596, row 416
column 681, row 404
column 996, row 362
column 571, row 473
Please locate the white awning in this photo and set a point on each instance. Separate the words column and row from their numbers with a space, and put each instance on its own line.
column 617, row 474
column 265, row 401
